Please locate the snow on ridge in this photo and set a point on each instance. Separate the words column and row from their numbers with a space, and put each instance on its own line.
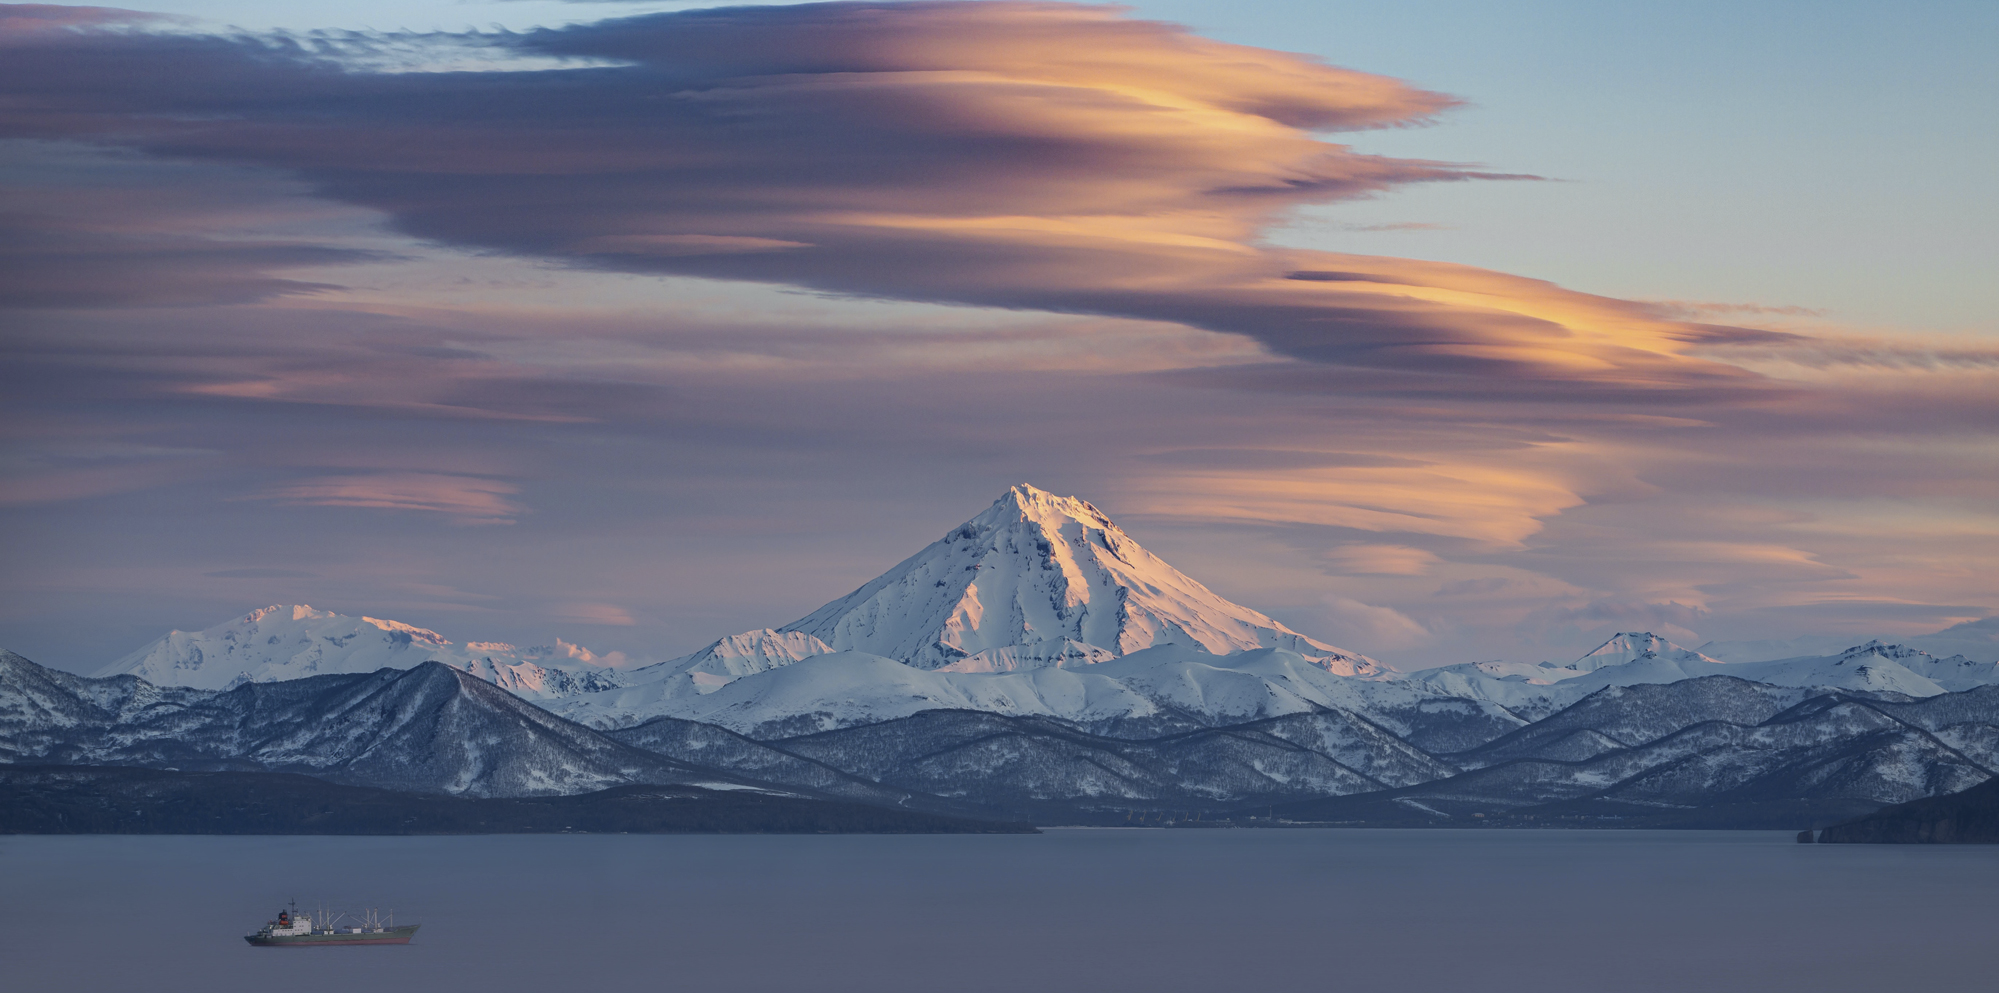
column 291, row 641
column 1978, row 640
column 850, row 688
column 415, row 633
column 1039, row 605
column 735, row 656
column 1634, row 658
column 1036, row 581
column 1624, row 648
column 1876, row 666
column 1065, row 652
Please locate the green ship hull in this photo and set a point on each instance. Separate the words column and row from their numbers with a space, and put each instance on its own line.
column 385, row 936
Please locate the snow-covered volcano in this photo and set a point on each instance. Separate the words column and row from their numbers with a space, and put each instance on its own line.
column 1039, row 579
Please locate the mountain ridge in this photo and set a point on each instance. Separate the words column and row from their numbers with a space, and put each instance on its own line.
column 1035, row 606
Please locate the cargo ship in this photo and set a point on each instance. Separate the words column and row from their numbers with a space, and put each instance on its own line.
column 295, row 930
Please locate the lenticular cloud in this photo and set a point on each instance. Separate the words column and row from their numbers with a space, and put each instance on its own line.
column 1025, row 155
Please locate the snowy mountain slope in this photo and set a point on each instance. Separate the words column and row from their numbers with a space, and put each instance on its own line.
column 1620, row 717
column 1830, row 751
column 1012, row 658
column 1035, row 571
column 1157, row 690
column 659, row 690
column 43, row 710
column 1977, row 640
column 435, row 729
column 842, row 689
column 1035, row 582
column 709, row 746
column 1641, row 648
column 441, row 730
column 1967, row 721
column 429, row 729
column 839, row 689
column 1831, row 745
column 1632, row 652
column 1875, row 666
column 1640, row 658
column 738, row 655
column 1535, row 691
column 292, row 641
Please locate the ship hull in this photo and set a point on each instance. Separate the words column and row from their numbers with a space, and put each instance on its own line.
column 388, row 936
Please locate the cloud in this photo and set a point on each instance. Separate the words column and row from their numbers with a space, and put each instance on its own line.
column 595, row 613
column 1265, row 459
column 1498, row 501
column 1372, row 628
column 1382, row 560
column 80, row 228
column 1396, row 226
column 1675, row 621
column 1697, row 309
column 784, row 292
column 463, row 499
column 1023, row 155
column 28, row 19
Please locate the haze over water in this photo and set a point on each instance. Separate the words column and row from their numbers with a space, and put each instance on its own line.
column 1099, row 910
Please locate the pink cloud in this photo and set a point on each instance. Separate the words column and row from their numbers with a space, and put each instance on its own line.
column 464, row 499
column 27, row 19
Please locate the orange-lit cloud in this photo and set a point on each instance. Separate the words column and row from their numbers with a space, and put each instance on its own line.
column 1026, row 155
column 461, row 280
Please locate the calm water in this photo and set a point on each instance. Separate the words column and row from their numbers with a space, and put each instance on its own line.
column 1068, row 910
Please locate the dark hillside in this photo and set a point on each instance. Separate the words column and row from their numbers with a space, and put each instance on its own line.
column 1968, row 817
column 87, row 800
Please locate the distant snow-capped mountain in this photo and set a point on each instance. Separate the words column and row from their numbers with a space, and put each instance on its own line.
column 1874, row 666
column 1640, row 658
column 1977, row 640
column 282, row 642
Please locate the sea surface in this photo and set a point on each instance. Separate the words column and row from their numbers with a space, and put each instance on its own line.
column 1081, row 909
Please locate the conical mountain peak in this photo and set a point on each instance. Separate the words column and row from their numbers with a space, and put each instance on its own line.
column 1033, row 573
column 1026, row 502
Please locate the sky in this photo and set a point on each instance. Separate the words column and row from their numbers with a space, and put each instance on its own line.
column 1439, row 331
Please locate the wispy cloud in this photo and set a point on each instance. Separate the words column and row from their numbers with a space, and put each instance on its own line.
column 1382, row 560
column 463, row 499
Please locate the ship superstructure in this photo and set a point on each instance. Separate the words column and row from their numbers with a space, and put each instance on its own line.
column 292, row 929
